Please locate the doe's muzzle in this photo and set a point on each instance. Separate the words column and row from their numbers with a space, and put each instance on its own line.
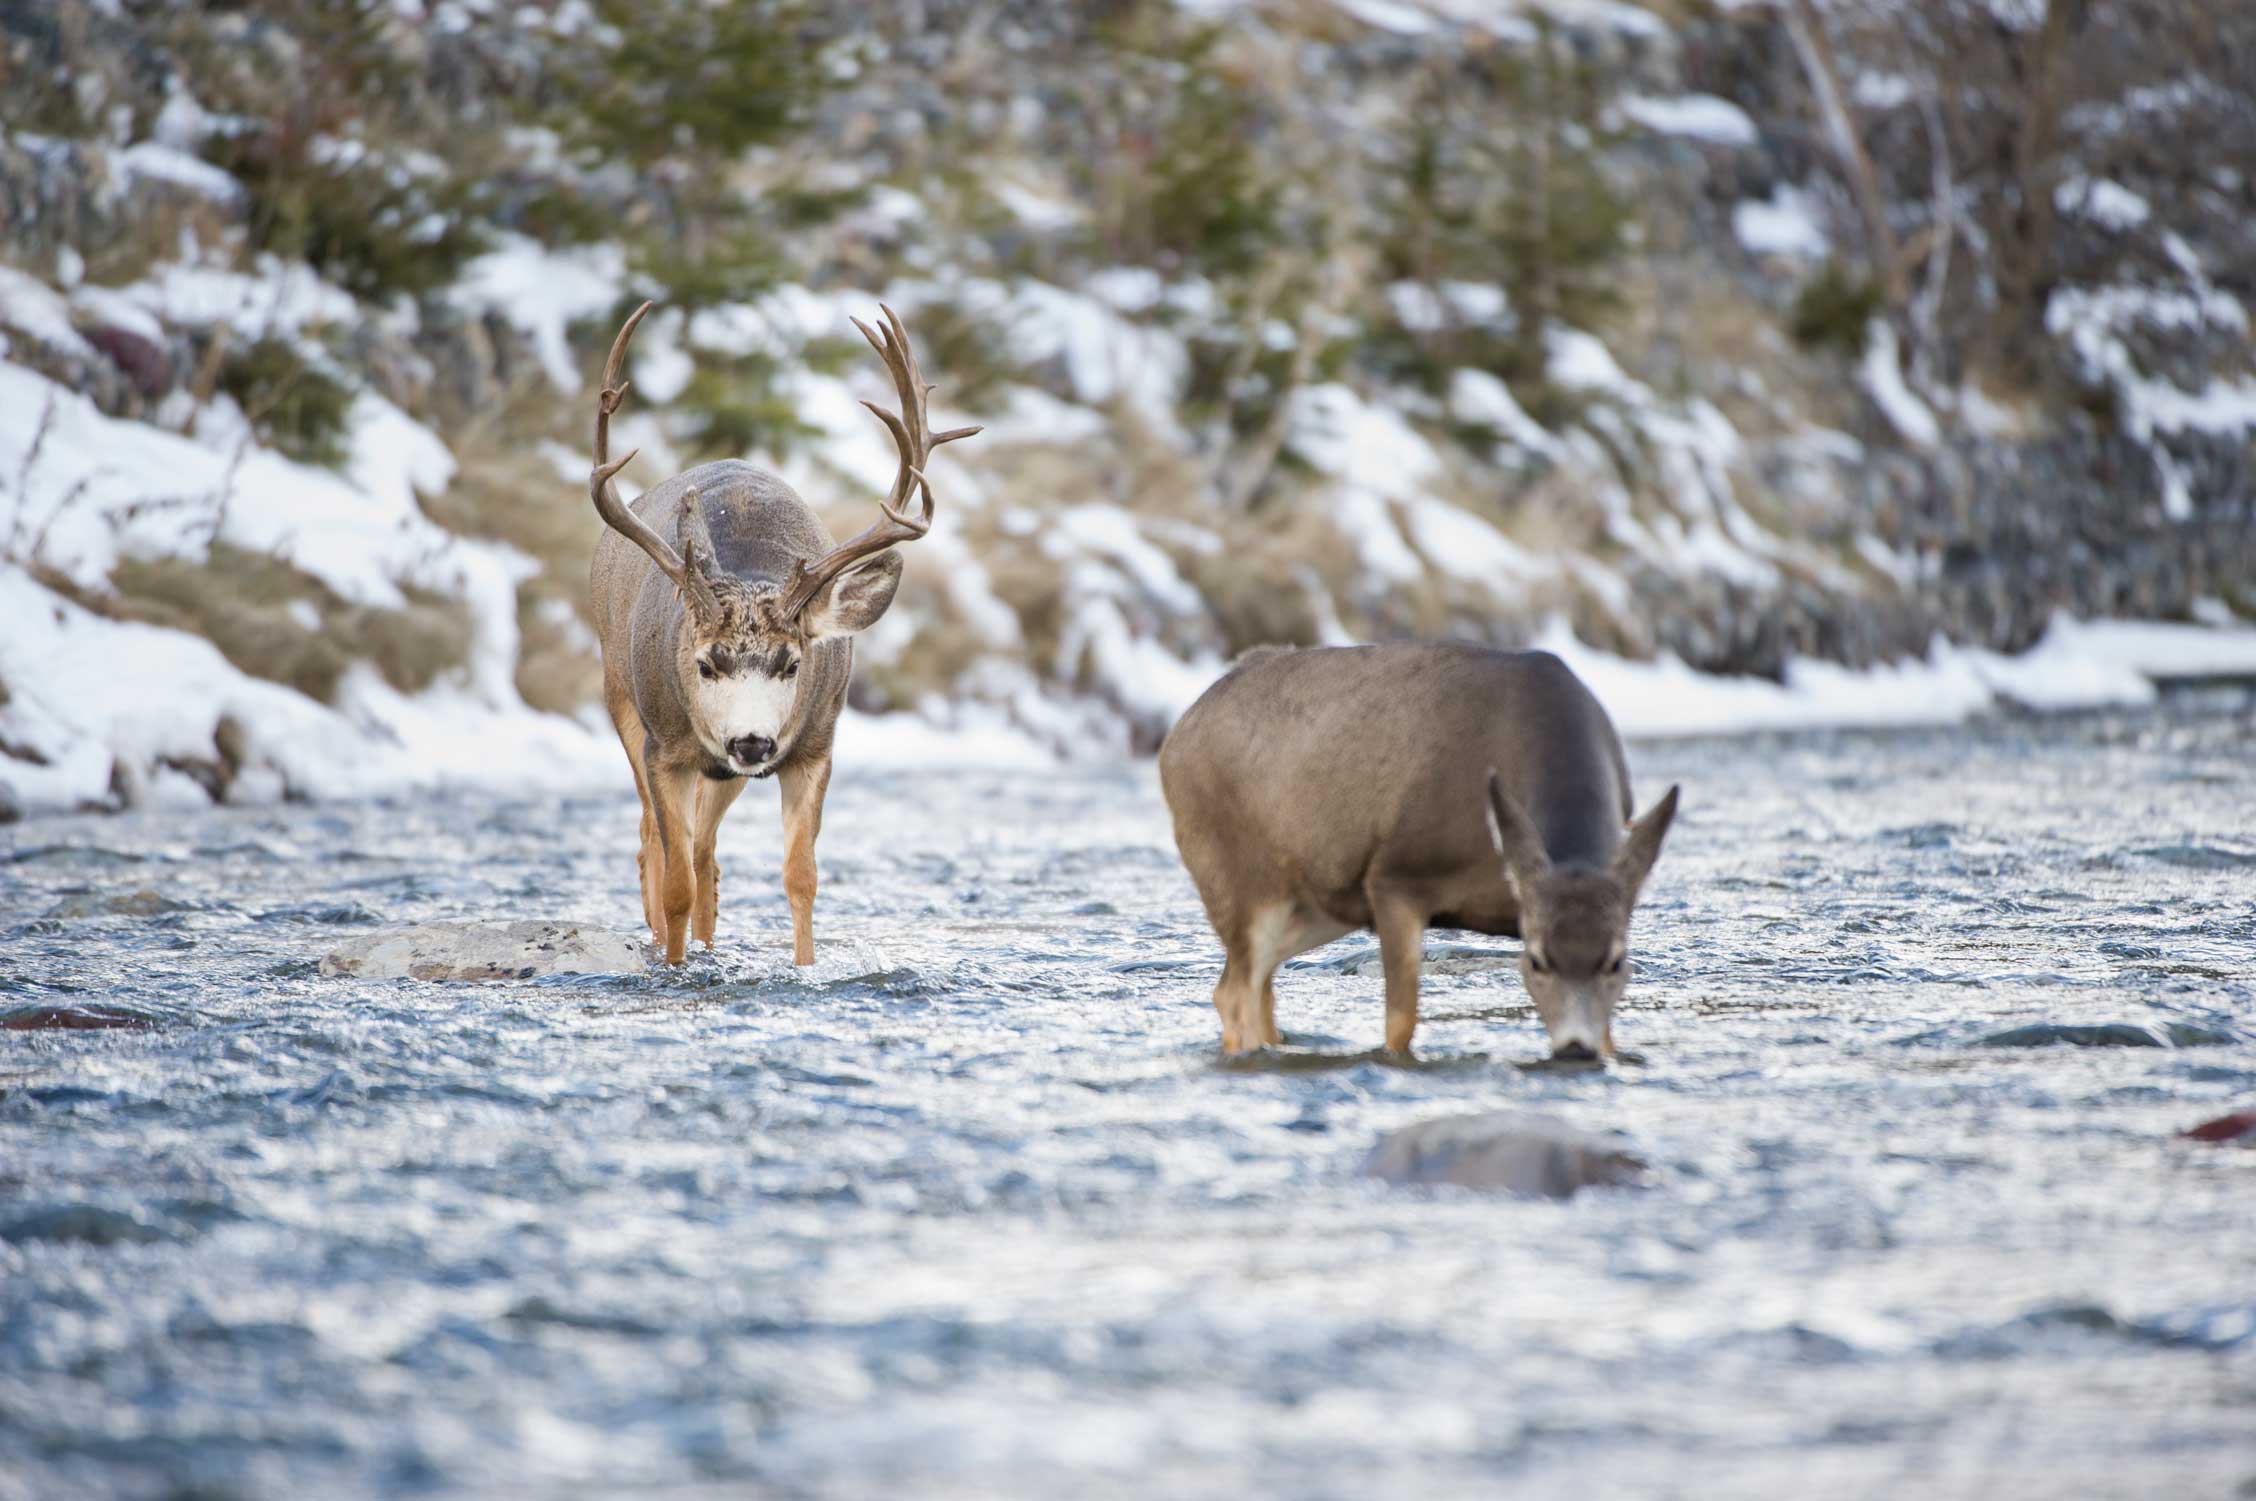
column 750, row 750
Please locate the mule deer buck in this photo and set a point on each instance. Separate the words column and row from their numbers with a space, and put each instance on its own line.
column 1404, row 787
column 726, row 616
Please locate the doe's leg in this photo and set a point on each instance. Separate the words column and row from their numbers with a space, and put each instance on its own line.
column 803, row 789
column 1229, row 992
column 1402, row 944
column 1272, row 935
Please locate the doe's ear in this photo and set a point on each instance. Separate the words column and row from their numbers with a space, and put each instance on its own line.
column 855, row 599
column 1516, row 840
column 1643, row 847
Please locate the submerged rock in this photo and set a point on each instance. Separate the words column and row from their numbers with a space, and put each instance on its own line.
column 90, row 1224
column 1438, row 959
column 78, row 1018
column 2105, row 1035
column 2239, row 1126
column 142, row 903
column 1513, row 1151
column 2052, row 1034
column 487, row 951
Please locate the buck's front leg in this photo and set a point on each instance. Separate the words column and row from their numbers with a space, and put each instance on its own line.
column 803, row 788
column 713, row 801
column 673, row 797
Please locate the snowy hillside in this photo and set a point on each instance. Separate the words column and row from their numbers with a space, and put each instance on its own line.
column 1725, row 365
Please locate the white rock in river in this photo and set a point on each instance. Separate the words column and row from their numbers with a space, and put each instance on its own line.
column 487, row 951
column 1516, row 1151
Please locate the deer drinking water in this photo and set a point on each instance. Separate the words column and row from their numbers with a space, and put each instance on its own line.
column 1403, row 787
column 727, row 649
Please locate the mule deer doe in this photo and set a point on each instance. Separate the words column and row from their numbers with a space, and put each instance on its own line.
column 727, row 651
column 1406, row 786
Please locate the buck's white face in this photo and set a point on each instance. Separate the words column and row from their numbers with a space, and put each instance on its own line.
column 741, row 700
column 741, row 656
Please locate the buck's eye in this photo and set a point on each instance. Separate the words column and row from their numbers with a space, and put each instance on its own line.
column 1615, row 967
column 791, row 668
column 1536, row 963
column 705, row 668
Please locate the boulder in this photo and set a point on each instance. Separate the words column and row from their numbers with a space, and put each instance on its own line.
column 487, row 951
column 1510, row 1151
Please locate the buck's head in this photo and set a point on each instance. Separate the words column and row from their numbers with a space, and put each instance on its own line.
column 742, row 644
column 1574, row 922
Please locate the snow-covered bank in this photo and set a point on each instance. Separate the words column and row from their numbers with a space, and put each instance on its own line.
column 2078, row 665
column 102, row 712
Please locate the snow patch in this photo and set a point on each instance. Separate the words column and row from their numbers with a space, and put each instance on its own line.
column 1882, row 375
column 1788, row 223
column 109, row 703
column 278, row 299
column 541, row 292
column 29, row 306
column 103, row 488
column 156, row 162
column 1367, row 524
column 1109, row 532
column 1699, row 117
column 2103, row 202
column 1366, row 445
column 1579, row 362
column 107, row 307
column 1482, row 399
column 2076, row 665
column 1463, row 546
column 1424, row 307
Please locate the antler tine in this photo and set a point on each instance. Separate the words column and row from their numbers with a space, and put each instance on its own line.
column 912, row 436
column 614, row 511
column 907, row 376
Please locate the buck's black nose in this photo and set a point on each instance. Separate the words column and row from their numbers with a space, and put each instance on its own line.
column 751, row 750
column 1577, row 1051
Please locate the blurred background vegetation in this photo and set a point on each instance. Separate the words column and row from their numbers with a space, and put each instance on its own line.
column 1776, row 223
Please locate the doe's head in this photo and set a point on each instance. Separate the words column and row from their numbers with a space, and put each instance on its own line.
column 1574, row 921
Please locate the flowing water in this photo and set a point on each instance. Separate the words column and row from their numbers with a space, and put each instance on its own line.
column 976, row 1209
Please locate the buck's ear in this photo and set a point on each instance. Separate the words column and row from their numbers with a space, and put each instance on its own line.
column 855, row 599
column 1516, row 841
column 696, row 581
column 1643, row 847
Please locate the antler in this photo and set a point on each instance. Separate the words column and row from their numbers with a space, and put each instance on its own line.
column 607, row 503
column 912, row 436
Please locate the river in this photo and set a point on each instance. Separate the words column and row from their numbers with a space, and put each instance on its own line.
column 975, row 1208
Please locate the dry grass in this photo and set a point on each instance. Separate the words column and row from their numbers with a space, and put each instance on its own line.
column 504, row 489
column 256, row 610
